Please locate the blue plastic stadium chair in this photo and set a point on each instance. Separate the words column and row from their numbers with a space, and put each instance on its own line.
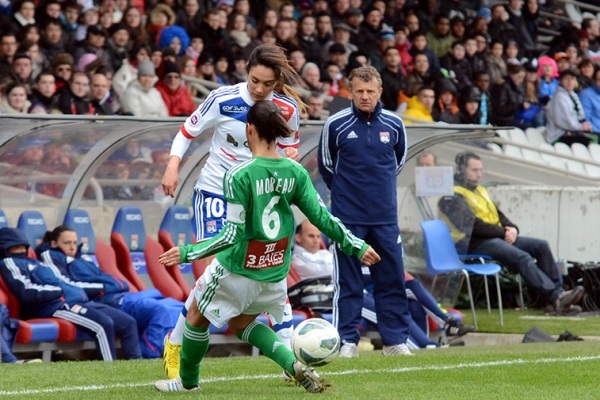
column 442, row 258
column 33, row 224
column 3, row 220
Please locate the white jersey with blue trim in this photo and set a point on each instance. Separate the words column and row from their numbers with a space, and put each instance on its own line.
column 226, row 109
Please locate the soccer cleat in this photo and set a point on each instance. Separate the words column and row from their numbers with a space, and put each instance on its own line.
column 566, row 299
column 307, row 377
column 348, row 350
column 171, row 358
column 173, row 385
column 32, row 361
column 397, row 350
column 455, row 328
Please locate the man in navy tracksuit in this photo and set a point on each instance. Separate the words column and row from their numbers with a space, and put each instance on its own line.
column 361, row 151
column 41, row 295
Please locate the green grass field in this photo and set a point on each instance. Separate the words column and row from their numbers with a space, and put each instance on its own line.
column 565, row 370
column 533, row 371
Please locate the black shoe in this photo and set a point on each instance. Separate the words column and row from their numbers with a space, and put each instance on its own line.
column 568, row 298
column 455, row 328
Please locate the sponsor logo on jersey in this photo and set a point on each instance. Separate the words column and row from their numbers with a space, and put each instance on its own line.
column 231, row 140
column 261, row 255
column 286, row 109
column 384, row 137
column 235, row 108
column 352, row 135
column 194, row 119
column 211, row 226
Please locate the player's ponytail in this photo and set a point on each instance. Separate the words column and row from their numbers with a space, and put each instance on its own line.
column 266, row 117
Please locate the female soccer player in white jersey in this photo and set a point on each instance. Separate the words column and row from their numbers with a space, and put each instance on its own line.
column 225, row 109
column 248, row 275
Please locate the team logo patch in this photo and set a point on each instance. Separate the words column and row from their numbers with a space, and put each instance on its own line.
column 384, row 137
column 211, row 226
column 194, row 120
column 134, row 242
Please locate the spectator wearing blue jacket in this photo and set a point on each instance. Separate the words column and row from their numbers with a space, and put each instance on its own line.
column 590, row 101
column 155, row 315
column 41, row 295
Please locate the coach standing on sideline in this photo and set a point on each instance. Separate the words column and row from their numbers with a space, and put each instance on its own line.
column 361, row 151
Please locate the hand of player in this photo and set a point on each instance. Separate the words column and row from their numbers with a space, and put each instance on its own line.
column 292, row 153
column 169, row 181
column 170, row 257
column 370, row 257
column 586, row 126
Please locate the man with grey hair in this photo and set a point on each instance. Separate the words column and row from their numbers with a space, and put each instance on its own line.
column 361, row 151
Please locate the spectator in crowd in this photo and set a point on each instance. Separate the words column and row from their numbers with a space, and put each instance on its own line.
column 311, row 76
column 268, row 20
column 100, row 94
column 297, row 59
column 413, row 23
column 42, row 93
column 511, row 53
column 14, row 100
column 24, row 14
column 386, row 39
column 420, row 106
column 591, row 27
column 393, row 78
column 53, row 40
column 548, row 72
column 29, row 32
column 445, row 108
column 161, row 16
column 132, row 19
column 482, row 82
column 420, row 46
column 533, row 114
column 457, row 30
column 48, row 10
column 63, row 69
column 586, row 74
column 238, row 32
column 338, row 9
column 403, row 45
column 8, row 49
column 174, row 37
column 215, row 37
column 190, row 16
column 566, row 119
column 94, row 43
column 496, row 64
column 341, row 35
column 590, row 101
column 128, row 72
column 523, row 35
column 309, row 260
column 239, row 73
column 141, row 98
column 509, row 97
column 499, row 28
column 89, row 16
column 562, row 62
column 468, row 103
column 370, row 29
column 484, row 229
column 176, row 97
column 38, row 61
column 307, row 39
column 243, row 7
column 439, row 38
column 118, row 45
column 339, row 84
column 74, row 98
column 457, row 66
column 69, row 17
column 206, row 67
column 324, row 31
column 22, row 70
column 315, row 103
column 41, row 295
column 419, row 75
column 351, row 187
column 476, row 61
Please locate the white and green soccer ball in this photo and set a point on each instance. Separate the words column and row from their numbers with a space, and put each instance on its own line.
column 315, row 342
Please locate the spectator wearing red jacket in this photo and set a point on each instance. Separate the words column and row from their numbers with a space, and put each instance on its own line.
column 178, row 100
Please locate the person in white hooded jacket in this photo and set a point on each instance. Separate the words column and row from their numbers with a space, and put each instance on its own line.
column 141, row 98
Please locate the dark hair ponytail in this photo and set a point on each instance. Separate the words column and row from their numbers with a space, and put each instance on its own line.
column 268, row 121
column 54, row 234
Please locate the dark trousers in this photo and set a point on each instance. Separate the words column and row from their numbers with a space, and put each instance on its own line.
column 391, row 304
column 531, row 258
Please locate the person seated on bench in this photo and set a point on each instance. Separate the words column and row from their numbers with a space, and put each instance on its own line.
column 29, row 281
column 154, row 316
column 310, row 261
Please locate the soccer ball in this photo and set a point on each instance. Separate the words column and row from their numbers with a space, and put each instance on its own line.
column 315, row 342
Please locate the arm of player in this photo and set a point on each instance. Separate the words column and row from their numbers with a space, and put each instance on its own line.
column 327, row 155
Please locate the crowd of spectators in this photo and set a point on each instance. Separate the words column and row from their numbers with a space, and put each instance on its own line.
column 482, row 59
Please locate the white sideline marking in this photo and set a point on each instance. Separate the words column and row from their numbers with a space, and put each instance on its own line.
column 499, row 363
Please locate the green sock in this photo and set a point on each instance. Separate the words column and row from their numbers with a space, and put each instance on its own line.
column 263, row 338
column 193, row 349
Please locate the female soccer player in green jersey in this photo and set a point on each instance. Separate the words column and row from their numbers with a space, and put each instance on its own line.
column 248, row 275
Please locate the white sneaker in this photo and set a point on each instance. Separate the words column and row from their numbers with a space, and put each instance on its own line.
column 172, row 385
column 348, row 350
column 397, row 350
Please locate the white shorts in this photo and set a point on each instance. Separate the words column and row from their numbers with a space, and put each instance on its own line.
column 222, row 295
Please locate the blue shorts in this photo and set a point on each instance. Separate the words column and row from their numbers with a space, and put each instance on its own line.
column 210, row 214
